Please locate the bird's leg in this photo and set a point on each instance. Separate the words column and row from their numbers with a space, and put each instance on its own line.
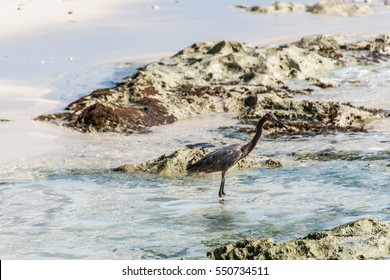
column 222, row 187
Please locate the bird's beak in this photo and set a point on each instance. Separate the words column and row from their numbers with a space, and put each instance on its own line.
column 281, row 124
column 275, row 119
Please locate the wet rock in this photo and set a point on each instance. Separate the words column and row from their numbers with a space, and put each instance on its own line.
column 277, row 7
column 328, row 155
column 327, row 46
column 226, row 77
column 310, row 117
column 370, row 51
column 104, row 118
column 340, row 9
column 109, row 110
column 323, row 7
column 175, row 164
column 171, row 165
column 367, row 238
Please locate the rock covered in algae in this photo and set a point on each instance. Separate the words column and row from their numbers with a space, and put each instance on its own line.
column 367, row 238
column 109, row 110
column 175, row 164
column 225, row 76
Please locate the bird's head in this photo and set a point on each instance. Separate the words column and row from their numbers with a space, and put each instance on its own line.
column 271, row 117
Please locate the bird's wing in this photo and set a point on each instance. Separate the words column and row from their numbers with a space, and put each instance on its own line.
column 218, row 160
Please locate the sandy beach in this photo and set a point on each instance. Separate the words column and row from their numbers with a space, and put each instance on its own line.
column 54, row 52
column 26, row 16
column 23, row 99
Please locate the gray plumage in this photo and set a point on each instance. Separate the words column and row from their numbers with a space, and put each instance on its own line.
column 224, row 158
column 218, row 160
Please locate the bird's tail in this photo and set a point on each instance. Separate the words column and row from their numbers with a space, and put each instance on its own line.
column 191, row 167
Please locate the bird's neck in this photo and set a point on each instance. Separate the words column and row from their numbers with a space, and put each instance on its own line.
column 246, row 149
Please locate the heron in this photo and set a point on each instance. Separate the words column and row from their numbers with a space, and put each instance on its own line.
column 222, row 159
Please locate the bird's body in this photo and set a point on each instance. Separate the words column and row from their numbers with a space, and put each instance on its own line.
column 222, row 159
column 218, row 160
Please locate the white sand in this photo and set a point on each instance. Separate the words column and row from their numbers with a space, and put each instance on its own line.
column 21, row 101
column 22, row 138
column 22, row 16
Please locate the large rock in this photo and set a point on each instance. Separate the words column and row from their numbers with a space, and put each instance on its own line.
column 367, row 238
column 309, row 117
column 109, row 110
column 175, row 164
column 171, row 165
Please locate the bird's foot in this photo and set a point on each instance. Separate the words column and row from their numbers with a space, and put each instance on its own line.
column 221, row 194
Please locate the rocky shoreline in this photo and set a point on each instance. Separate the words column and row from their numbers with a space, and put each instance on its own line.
column 363, row 239
column 233, row 77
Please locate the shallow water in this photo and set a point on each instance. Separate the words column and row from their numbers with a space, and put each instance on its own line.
column 59, row 199
column 116, row 216
column 72, row 206
column 361, row 85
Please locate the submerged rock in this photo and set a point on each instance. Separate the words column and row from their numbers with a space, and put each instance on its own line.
column 366, row 238
column 227, row 77
column 175, row 164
